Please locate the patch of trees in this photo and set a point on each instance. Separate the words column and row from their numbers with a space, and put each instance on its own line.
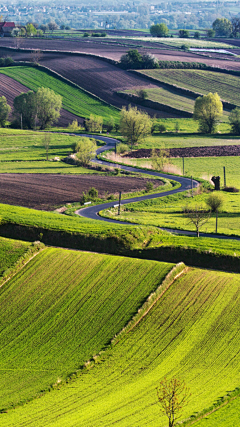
column 40, row 108
column 134, row 60
column 6, row 62
column 5, row 110
column 225, row 27
column 182, row 65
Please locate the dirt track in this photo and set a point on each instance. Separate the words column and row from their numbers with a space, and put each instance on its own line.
column 46, row 191
column 216, row 151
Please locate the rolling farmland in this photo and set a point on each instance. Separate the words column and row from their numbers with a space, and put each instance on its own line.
column 200, row 81
column 75, row 100
column 10, row 252
column 61, row 310
column 192, row 333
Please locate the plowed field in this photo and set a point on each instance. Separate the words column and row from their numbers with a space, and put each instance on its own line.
column 40, row 191
column 216, row 151
column 10, row 88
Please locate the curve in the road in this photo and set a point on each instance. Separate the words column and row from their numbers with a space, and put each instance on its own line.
column 92, row 212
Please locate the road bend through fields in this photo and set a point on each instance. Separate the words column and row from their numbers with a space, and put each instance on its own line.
column 191, row 332
column 63, row 308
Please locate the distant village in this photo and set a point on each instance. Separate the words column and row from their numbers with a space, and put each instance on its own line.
column 136, row 14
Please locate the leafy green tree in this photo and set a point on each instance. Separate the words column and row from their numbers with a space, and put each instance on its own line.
column 85, row 149
column 5, row 110
column 172, row 395
column 25, row 109
column 134, row 125
column 22, row 32
column 44, row 27
column 94, row 123
column 235, row 26
column 132, row 59
column 183, row 34
column 222, row 27
column 207, row 110
column 48, row 106
column 234, row 119
column 215, row 202
column 197, row 35
column 31, row 30
column 197, row 216
column 159, row 158
column 159, row 30
column 210, row 33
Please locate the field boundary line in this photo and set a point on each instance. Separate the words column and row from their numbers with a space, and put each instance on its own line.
column 152, row 299
column 20, row 264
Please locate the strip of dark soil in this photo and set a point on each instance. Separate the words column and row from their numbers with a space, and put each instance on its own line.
column 46, row 191
column 216, row 151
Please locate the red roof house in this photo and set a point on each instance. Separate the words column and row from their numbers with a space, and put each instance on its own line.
column 6, row 28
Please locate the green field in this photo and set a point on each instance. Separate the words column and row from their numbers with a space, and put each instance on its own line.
column 10, row 252
column 191, row 332
column 200, row 81
column 61, row 310
column 75, row 99
column 179, row 140
column 167, row 211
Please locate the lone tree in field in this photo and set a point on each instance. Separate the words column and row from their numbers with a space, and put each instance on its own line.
column 48, row 106
column 159, row 30
column 222, row 27
column 134, row 124
column 94, row 123
column 172, row 395
column 85, row 149
column 215, row 202
column 197, row 216
column 25, row 109
column 208, row 110
column 5, row 110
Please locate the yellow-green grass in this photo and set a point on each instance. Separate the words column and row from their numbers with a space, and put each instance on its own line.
column 75, row 99
column 167, row 211
column 226, row 85
column 226, row 416
column 191, row 332
column 168, row 140
column 24, row 151
column 178, row 42
column 10, row 252
column 61, row 310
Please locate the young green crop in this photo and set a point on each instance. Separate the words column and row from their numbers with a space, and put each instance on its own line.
column 61, row 310
column 10, row 252
column 200, row 81
column 75, row 99
column 191, row 332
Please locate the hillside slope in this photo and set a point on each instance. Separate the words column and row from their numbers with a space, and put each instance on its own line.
column 192, row 332
column 62, row 309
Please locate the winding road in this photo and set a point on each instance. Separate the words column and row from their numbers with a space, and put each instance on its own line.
column 92, row 212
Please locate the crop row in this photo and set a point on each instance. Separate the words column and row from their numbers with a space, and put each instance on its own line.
column 200, row 81
column 191, row 332
column 62, row 309
column 75, row 99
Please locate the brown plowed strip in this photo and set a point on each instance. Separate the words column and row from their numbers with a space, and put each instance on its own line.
column 46, row 191
column 10, row 88
column 216, row 151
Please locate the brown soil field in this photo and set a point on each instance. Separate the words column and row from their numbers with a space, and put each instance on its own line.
column 216, row 151
column 94, row 75
column 115, row 48
column 10, row 88
column 46, row 192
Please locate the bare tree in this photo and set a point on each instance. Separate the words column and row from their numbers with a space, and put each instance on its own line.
column 36, row 55
column 197, row 216
column 172, row 395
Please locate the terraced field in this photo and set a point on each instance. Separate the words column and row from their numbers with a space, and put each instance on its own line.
column 191, row 332
column 10, row 252
column 200, row 81
column 62, row 309
column 75, row 100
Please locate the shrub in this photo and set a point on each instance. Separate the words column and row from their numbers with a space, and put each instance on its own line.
column 142, row 93
column 122, row 148
column 149, row 186
column 93, row 193
column 86, row 35
column 231, row 189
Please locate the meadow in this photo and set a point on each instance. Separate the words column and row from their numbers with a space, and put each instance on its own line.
column 190, row 332
column 10, row 252
column 167, row 211
column 178, row 42
column 200, row 81
column 62, row 309
column 75, row 99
